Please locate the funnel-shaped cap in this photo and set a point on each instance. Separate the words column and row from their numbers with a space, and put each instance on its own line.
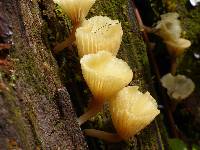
column 99, row 33
column 176, row 48
column 178, row 87
column 131, row 111
column 169, row 27
column 105, row 74
column 77, row 10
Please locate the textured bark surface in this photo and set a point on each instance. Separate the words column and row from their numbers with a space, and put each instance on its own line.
column 36, row 111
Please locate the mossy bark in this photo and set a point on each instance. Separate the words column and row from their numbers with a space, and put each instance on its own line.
column 37, row 111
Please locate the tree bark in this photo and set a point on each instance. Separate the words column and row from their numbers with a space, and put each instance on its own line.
column 36, row 111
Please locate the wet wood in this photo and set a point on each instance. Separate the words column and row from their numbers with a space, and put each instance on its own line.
column 36, row 111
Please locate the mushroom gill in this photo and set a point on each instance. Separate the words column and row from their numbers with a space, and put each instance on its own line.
column 99, row 33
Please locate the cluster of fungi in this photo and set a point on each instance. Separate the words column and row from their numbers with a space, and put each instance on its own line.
column 98, row 40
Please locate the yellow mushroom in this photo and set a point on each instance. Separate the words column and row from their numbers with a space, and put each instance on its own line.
column 178, row 87
column 105, row 75
column 99, row 33
column 77, row 10
column 131, row 111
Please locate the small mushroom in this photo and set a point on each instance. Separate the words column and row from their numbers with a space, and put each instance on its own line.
column 99, row 33
column 105, row 75
column 168, row 27
column 131, row 111
column 77, row 10
column 177, row 47
column 178, row 87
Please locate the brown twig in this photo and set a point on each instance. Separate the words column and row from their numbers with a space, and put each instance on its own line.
column 106, row 136
column 173, row 65
column 93, row 109
column 170, row 118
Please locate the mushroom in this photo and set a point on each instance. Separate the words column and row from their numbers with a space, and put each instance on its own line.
column 131, row 111
column 77, row 10
column 168, row 27
column 99, row 33
column 105, row 75
column 178, row 87
column 177, row 47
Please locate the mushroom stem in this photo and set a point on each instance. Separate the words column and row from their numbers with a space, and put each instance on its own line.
column 173, row 65
column 68, row 41
column 173, row 105
column 109, row 137
column 93, row 109
column 148, row 29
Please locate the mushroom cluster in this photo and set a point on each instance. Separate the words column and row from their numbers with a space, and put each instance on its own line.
column 169, row 29
column 98, row 40
column 131, row 111
column 105, row 75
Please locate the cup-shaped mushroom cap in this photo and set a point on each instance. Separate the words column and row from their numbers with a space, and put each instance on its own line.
column 131, row 111
column 178, row 87
column 176, row 48
column 99, row 33
column 77, row 10
column 105, row 74
column 168, row 27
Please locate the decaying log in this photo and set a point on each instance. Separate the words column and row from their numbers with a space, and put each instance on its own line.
column 36, row 110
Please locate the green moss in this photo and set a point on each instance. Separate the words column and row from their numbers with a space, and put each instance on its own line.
column 170, row 5
column 190, row 20
column 132, row 49
column 64, row 20
column 17, row 120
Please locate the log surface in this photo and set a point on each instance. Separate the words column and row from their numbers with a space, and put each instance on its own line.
column 36, row 109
